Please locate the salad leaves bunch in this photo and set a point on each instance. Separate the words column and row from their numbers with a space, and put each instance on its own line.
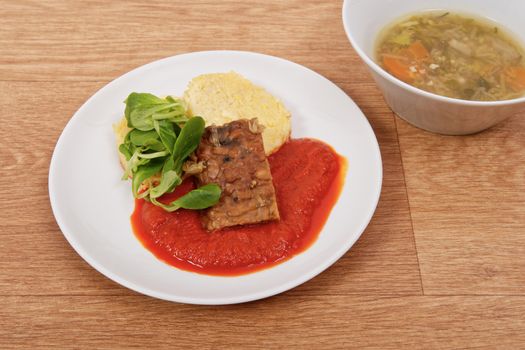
column 161, row 138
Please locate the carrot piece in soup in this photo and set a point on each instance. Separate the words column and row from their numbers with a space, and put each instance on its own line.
column 397, row 68
column 516, row 78
column 418, row 51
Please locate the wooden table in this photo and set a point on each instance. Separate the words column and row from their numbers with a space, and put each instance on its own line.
column 441, row 265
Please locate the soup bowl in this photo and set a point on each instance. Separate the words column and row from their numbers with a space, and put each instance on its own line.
column 364, row 19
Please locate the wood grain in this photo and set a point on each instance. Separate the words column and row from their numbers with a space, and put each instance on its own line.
column 439, row 267
column 467, row 199
column 95, row 40
column 286, row 322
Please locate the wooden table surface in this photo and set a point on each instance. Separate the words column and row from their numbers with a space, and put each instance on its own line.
column 441, row 265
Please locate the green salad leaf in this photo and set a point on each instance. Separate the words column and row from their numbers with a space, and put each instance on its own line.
column 143, row 108
column 188, row 141
column 168, row 181
column 144, row 172
column 139, row 101
column 143, row 138
column 200, row 198
column 161, row 138
column 127, row 148
column 167, row 134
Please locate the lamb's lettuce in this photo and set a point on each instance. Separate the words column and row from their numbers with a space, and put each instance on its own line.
column 161, row 138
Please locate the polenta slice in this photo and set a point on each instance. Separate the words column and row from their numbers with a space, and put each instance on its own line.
column 221, row 98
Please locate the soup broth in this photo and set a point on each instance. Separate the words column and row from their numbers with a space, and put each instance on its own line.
column 453, row 55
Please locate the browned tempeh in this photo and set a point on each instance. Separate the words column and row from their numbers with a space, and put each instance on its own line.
column 234, row 158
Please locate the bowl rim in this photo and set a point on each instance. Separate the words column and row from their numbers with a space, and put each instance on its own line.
column 401, row 84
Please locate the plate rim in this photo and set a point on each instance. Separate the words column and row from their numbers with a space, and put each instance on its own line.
column 294, row 282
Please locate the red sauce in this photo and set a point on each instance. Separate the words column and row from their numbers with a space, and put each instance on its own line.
column 308, row 177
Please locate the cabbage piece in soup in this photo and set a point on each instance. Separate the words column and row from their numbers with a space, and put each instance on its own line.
column 453, row 55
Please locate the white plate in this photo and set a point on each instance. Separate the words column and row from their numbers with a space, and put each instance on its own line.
column 93, row 206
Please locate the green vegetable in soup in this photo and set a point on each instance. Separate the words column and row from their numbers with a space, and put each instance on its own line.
column 161, row 138
column 453, row 55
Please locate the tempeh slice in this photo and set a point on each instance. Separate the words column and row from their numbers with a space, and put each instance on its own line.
column 234, row 158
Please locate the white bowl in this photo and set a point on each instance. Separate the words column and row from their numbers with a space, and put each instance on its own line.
column 364, row 19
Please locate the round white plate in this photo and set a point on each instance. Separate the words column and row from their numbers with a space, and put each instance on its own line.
column 93, row 206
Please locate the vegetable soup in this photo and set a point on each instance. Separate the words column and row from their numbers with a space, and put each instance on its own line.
column 453, row 55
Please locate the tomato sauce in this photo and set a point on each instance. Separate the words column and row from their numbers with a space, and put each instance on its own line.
column 308, row 177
